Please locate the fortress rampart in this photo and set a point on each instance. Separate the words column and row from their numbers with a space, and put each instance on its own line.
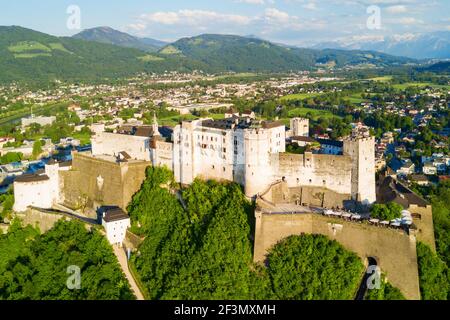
column 394, row 250
column 95, row 181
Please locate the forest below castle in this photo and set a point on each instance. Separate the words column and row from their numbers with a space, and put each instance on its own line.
column 199, row 248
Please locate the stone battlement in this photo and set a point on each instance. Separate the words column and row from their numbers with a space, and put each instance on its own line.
column 394, row 251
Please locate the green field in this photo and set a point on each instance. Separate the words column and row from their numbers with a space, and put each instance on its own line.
column 302, row 112
column 355, row 98
column 150, row 57
column 34, row 49
column 300, row 96
column 27, row 46
column 170, row 50
column 31, row 55
column 174, row 120
column 381, row 79
column 237, row 75
column 58, row 46
column 403, row 86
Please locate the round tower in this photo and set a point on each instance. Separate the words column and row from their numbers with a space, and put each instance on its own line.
column 258, row 170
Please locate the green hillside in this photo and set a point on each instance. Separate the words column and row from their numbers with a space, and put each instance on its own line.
column 110, row 36
column 239, row 54
column 31, row 56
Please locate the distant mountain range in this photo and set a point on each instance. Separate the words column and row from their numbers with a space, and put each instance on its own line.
column 118, row 38
column 241, row 54
column 30, row 56
column 434, row 45
column 27, row 55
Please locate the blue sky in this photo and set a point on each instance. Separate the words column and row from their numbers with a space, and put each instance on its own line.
column 288, row 21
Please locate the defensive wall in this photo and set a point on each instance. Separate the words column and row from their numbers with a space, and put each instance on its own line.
column 96, row 181
column 393, row 249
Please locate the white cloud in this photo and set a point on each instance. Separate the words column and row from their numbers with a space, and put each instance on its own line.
column 274, row 16
column 310, row 6
column 408, row 21
column 137, row 26
column 194, row 18
column 253, row 1
column 396, row 9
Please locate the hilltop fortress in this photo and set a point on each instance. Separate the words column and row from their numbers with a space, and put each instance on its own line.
column 289, row 188
column 247, row 151
column 252, row 153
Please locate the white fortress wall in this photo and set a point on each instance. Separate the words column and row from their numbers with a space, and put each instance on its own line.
column 111, row 143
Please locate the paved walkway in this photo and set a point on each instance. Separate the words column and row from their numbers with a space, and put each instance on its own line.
column 122, row 257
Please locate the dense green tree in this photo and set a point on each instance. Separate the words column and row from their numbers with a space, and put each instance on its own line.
column 385, row 292
column 433, row 274
column 311, row 267
column 204, row 250
column 37, row 148
column 6, row 204
column 441, row 220
column 11, row 157
column 386, row 212
column 36, row 267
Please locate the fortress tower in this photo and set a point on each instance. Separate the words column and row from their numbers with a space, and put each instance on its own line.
column 257, row 161
column 300, row 127
column 52, row 171
column 362, row 152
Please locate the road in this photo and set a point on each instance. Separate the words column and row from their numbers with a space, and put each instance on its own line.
column 122, row 258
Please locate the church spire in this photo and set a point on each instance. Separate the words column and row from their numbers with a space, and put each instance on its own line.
column 155, row 125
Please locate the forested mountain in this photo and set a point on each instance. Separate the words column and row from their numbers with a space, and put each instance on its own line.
column 439, row 67
column 31, row 56
column 234, row 53
column 118, row 38
column 27, row 55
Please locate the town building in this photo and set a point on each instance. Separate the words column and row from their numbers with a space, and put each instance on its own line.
column 43, row 121
column 116, row 223
column 299, row 127
column 39, row 190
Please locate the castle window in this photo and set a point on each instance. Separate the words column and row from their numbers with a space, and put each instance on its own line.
column 213, row 167
column 224, row 169
column 310, row 180
column 224, row 149
column 416, row 216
